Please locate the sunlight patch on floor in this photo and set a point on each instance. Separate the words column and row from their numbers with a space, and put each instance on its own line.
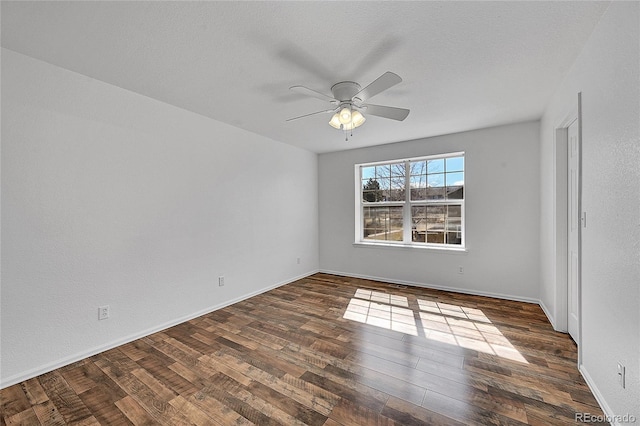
column 382, row 315
column 443, row 322
column 378, row 296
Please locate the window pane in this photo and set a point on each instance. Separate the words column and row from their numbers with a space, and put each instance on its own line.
column 419, row 224
column 455, row 164
column 383, row 171
column 382, row 223
column 371, row 191
column 397, row 189
column 418, row 168
column 435, row 193
column 435, row 166
column 455, row 179
column 435, row 237
column 368, row 173
column 385, row 184
column 435, row 187
column 455, row 192
column 454, row 225
column 397, row 170
column 436, row 224
column 385, row 187
column 418, row 180
column 455, row 185
column 435, row 179
column 418, row 187
column 371, row 196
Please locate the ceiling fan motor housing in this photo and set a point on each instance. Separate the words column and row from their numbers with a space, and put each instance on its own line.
column 345, row 90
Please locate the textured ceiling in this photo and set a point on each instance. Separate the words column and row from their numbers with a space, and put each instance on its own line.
column 465, row 65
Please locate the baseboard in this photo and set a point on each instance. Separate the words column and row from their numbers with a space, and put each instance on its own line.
column 608, row 412
column 436, row 287
column 550, row 317
column 17, row 378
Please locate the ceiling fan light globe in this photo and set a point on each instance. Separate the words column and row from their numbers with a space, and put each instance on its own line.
column 357, row 119
column 335, row 121
column 345, row 116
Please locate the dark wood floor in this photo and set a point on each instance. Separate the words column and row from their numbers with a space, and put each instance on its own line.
column 325, row 350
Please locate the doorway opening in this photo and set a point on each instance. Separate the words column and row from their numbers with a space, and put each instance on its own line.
column 568, row 223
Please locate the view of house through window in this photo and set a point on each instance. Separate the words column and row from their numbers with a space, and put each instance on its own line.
column 430, row 212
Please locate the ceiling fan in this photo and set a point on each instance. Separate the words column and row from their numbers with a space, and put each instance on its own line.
column 349, row 102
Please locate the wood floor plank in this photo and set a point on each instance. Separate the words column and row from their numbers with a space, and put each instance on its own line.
column 405, row 413
column 462, row 412
column 219, row 367
column 83, row 377
column 195, row 415
column 325, row 350
column 64, row 398
column 25, row 417
column 349, row 413
column 216, row 409
column 167, row 376
column 294, row 389
column 254, row 407
column 147, row 392
column 223, row 391
column 136, row 350
column 385, row 383
column 14, row 401
column 286, row 404
column 335, row 378
column 134, row 412
column 48, row 414
column 101, row 400
column 34, row 391
column 345, row 392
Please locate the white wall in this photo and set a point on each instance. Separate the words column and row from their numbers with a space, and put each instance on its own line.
column 502, row 215
column 113, row 198
column 606, row 72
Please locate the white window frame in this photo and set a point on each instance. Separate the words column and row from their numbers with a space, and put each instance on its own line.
column 406, row 205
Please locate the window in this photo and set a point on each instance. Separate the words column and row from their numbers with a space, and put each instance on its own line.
column 429, row 213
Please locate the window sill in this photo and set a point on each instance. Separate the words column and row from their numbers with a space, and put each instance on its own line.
column 452, row 250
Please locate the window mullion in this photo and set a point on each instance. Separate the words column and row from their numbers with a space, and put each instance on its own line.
column 407, row 227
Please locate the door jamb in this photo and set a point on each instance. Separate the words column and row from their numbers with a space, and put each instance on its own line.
column 560, row 224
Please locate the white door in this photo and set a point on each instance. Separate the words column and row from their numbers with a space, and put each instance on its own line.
column 573, row 257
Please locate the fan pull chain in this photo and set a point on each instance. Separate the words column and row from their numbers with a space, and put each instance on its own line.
column 351, row 109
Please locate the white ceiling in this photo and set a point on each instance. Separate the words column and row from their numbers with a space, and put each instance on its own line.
column 465, row 65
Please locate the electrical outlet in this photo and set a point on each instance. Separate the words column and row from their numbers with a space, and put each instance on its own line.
column 103, row 312
column 460, row 269
column 621, row 375
column 221, row 281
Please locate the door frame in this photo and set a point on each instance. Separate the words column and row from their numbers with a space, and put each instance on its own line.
column 561, row 234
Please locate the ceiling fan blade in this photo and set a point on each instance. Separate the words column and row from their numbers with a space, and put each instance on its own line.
column 382, row 83
column 313, row 93
column 313, row 113
column 387, row 111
